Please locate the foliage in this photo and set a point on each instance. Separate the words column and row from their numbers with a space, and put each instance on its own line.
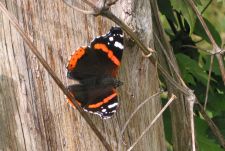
column 187, row 36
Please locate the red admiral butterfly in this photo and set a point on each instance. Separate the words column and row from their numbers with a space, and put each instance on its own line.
column 96, row 67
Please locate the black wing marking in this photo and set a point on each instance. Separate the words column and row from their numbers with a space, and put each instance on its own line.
column 95, row 62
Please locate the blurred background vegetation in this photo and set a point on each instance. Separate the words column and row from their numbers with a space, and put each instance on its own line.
column 192, row 49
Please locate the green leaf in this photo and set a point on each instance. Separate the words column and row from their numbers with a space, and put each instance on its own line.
column 215, row 67
column 203, row 5
column 183, row 7
column 204, row 143
column 198, row 2
column 216, row 103
column 190, row 66
column 188, row 77
column 199, row 30
column 166, row 9
column 201, row 126
column 221, row 1
column 220, row 122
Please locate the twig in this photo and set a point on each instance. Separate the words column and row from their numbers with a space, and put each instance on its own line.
column 195, row 47
column 212, row 126
column 102, row 5
column 216, row 49
column 89, row 3
column 153, row 122
column 88, row 12
column 192, row 126
column 169, row 60
column 221, row 65
column 191, row 101
column 109, row 3
column 206, row 6
column 202, row 22
column 14, row 22
column 131, row 116
column 208, row 82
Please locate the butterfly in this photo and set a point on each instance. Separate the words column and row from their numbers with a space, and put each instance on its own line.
column 95, row 67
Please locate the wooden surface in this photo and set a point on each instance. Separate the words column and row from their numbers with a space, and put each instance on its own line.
column 33, row 112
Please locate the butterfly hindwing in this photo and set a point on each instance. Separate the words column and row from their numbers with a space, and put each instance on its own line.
column 99, row 100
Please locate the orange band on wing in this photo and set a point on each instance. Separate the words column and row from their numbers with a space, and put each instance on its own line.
column 106, row 100
column 111, row 56
column 75, row 57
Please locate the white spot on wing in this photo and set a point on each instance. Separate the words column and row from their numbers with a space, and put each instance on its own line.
column 111, row 38
column 112, row 105
column 118, row 44
column 103, row 110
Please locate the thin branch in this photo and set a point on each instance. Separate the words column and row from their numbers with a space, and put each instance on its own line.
column 206, row 6
column 169, row 60
column 112, row 2
column 101, row 6
column 88, row 12
column 221, row 65
column 191, row 101
column 14, row 22
column 153, row 122
column 195, row 47
column 208, row 82
column 212, row 125
column 192, row 4
column 89, row 3
column 131, row 116
column 192, row 126
column 216, row 49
